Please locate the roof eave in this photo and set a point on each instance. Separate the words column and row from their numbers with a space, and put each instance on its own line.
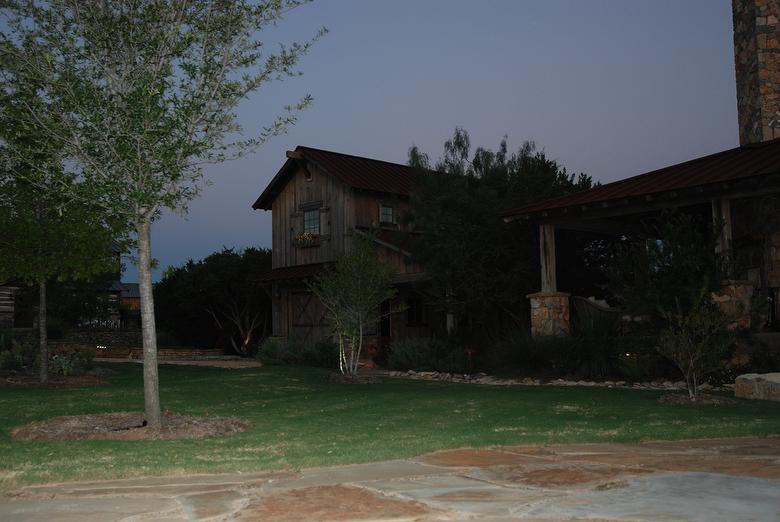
column 271, row 191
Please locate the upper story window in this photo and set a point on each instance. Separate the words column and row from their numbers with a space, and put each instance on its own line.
column 386, row 214
column 311, row 222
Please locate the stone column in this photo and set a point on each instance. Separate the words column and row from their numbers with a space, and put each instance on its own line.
column 550, row 314
column 757, row 67
column 734, row 300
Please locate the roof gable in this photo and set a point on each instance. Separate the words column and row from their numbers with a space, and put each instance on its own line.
column 354, row 171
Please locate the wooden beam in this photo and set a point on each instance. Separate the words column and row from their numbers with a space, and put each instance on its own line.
column 668, row 201
column 597, row 226
column 721, row 217
column 294, row 154
column 547, row 257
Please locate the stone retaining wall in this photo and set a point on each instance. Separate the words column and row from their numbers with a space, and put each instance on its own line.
column 104, row 337
column 134, row 352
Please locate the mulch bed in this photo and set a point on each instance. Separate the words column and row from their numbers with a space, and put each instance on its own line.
column 58, row 381
column 703, row 400
column 129, row 426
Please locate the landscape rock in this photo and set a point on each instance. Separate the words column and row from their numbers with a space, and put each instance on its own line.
column 764, row 386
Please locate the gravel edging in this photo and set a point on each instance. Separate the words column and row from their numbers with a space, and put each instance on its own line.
column 482, row 378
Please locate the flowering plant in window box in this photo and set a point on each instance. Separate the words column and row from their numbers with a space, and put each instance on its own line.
column 306, row 239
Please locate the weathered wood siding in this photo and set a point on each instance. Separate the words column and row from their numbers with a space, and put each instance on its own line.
column 366, row 208
column 322, row 192
column 297, row 314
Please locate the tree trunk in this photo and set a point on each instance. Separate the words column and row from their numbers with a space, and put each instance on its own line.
column 148, row 331
column 43, row 338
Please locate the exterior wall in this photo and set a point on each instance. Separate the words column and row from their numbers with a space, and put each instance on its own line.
column 323, row 193
column 366, row 208
column 757, row 67
column 297, row 314
column 342, row 209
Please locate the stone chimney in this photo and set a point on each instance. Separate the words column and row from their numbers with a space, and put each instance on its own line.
column 757, row 65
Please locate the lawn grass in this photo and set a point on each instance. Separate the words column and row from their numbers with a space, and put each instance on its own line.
column 302, row 420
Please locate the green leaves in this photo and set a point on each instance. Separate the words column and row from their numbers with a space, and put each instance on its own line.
column 696, row 338
column 352, row 292
column 481, row 267
column 143, row 95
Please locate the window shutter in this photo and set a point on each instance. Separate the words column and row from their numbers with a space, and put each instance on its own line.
column 324, row 221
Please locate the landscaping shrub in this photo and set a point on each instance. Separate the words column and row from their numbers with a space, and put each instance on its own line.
column 296, row 352
column 20, row 358
column 590, row 356
column 519, row 352
column 323, row 354
column 697, row 340
column 427, row 354
column 271, row 352
column 411, row 354
column 77, row 362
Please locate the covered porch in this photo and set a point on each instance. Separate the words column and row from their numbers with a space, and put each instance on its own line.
column 727, row 186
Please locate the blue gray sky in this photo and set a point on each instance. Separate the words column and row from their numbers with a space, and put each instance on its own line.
column 612, row 88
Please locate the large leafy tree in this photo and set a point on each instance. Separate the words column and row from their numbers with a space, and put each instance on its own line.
column 482, row 267
column 217, row 300
column 143, row 94
column 45, row 235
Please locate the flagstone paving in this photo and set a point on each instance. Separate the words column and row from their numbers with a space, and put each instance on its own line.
column 706, row 480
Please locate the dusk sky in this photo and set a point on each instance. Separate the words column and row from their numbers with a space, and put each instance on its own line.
column 609, row 88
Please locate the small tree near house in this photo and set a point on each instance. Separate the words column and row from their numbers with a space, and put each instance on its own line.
column 696, row 340
column 352, row 293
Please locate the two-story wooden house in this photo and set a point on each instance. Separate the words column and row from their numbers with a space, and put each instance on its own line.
column 320, row 201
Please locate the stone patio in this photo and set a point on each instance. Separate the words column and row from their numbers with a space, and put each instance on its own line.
column 707, row 480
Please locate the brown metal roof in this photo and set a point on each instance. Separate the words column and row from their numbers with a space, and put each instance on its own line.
column 760, row 159
column 354, row 171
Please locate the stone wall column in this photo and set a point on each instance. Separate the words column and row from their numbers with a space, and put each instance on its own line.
column 550, row 314
column 734, row 300
column 757, row 64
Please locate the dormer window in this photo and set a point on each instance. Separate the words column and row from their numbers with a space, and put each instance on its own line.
column 386, row 215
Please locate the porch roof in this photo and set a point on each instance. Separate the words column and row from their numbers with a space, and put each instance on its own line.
column 743, row 171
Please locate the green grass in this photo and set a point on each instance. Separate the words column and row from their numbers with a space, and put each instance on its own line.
column 302, row 420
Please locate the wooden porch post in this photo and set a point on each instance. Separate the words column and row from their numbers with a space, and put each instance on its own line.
column 549, row 308
column 547, row 257
column 721, row 217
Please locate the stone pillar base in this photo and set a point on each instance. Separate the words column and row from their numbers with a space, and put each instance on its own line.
column 734, row 300
column 550, row 315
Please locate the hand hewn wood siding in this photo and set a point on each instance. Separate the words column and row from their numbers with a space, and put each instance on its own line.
column 366, row 208
column 307, row 191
